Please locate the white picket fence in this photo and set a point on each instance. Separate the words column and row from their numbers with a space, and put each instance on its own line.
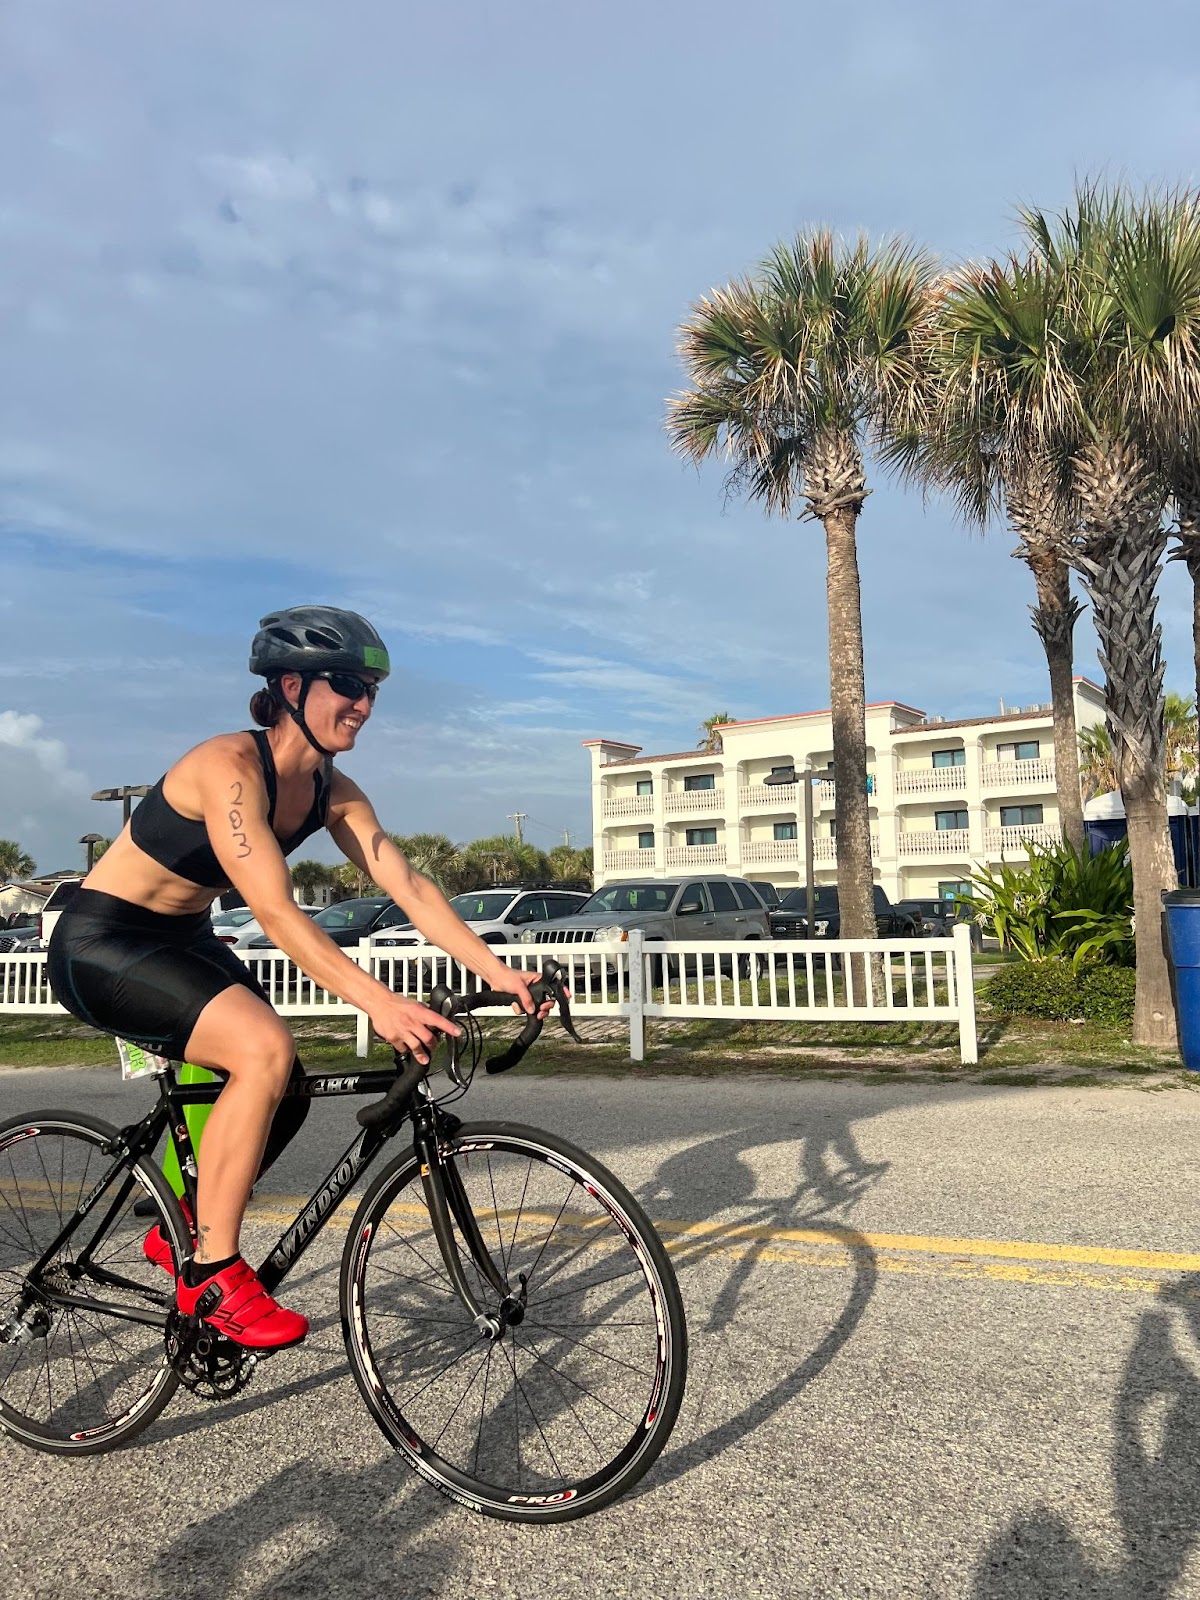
column 794, row 980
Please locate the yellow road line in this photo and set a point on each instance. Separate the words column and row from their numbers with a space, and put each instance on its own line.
column 925, row 1255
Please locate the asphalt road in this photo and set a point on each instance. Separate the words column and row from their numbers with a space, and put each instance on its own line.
column 945, row 1342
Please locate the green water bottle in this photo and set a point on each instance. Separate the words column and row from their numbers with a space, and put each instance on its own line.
column 195, row 1117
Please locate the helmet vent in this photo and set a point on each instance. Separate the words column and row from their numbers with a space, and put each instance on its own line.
column 323, row 638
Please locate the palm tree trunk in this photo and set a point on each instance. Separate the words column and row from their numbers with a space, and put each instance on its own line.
column 1119, row 557
column 1054, row 619
column 847, row 699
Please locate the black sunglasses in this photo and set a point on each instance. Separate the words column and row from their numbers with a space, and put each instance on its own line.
column 349, row 687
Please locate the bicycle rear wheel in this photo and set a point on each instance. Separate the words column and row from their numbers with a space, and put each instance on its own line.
column 571, row 1405
column 82, row 1358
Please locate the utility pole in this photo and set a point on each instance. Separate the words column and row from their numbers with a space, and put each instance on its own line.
column 518, row 817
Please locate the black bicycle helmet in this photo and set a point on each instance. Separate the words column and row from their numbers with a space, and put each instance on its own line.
column 317, row 639
column 312, row 639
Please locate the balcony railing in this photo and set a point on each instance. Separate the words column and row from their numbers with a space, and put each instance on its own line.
column 952, row 843
column 1019, row 774
column 633, row 805
column 998, row 841
column 761, row 852
column 769, row 797
column 693, row 802
column 695, row 855
column 932, row 780
column 640, row 861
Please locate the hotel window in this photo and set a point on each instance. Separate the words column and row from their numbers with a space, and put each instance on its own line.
column 646, row 840
column 1025, row 750
column 943, row 821
column 950, row 758
column 645, row 786
column 785, row 830
column 700, row 780
column 702, row 836
column 1019, row 816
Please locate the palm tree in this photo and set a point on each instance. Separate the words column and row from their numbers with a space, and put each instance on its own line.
column 1100, row 386
column 437, row 857
column 501, row 859
column 310, row 875
column 948, row 450
column 15, row 862
column 568, row 865
column 710, row 738
column 1097, row 765
column 791, row 372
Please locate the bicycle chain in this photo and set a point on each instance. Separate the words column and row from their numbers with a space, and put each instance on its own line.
column 211, row 1366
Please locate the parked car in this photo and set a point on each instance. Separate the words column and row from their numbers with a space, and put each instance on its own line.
column 790, row 919
column 767, row 893
column 348, row 921
column 19, row 940
column 498, row 915
column 934, row 918
column 676, row 908
column 59, row 899
column 241, row 928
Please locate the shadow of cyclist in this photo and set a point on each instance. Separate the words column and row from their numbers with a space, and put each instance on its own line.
column 311, row 1531
column 830, row 1178
column 1156, row 1472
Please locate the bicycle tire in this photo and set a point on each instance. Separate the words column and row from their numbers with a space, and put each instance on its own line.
column 554, row 1189
column 87, row 1380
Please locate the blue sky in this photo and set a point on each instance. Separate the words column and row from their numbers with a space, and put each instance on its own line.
column 375, row 305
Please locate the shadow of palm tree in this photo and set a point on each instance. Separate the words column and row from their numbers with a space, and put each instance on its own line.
column 1156, row 1473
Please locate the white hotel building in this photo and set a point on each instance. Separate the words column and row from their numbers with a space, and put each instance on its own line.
column 946, row 798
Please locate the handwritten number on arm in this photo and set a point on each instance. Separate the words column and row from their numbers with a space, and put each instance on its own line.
column 235, row 822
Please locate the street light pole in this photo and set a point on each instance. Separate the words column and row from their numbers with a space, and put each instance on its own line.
column 809, row 848
column 125, row 793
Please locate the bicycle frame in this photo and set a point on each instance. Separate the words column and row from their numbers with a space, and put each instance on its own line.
column 445, row 1197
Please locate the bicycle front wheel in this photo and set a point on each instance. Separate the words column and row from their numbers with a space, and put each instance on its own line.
column 573, row 1402
column 82, row 1357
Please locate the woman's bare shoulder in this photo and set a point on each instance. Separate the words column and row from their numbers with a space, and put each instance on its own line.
column 234, row 751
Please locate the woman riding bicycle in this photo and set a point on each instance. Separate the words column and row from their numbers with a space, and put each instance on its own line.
column 135, row 954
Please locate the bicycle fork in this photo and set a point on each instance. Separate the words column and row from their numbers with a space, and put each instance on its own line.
column 448, row 1204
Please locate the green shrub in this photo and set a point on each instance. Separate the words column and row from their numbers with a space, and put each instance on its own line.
column 1060, row 904
column 1046, row 989
column 1056, row 991
column 1107, row 993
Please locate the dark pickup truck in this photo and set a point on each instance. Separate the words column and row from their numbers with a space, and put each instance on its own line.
column 789, row 919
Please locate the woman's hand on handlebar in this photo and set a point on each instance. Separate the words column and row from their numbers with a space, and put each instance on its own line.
column 508, row 980
column 409, row 1026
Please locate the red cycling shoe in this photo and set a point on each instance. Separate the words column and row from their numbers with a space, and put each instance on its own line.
column 157, row 1249
column 234, row 1303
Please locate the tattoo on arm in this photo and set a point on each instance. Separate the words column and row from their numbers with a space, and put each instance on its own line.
column 235, row 822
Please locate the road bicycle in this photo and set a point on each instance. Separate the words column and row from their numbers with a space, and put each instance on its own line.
column 510, row 1315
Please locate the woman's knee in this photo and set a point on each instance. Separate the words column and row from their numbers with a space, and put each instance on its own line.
column 240, row 1035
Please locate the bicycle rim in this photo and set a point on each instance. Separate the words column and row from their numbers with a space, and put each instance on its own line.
column 573, row 1403
column 79, row 1378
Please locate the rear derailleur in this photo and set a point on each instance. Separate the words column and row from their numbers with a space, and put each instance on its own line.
column 211, row 1366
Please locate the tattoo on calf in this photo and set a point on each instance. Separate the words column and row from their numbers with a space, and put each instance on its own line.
column 202, row 1253
column 235, row 822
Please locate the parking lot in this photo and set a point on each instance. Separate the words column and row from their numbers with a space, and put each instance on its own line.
column 944, row 1342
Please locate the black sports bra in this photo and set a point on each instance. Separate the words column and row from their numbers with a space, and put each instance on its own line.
column 182, row 846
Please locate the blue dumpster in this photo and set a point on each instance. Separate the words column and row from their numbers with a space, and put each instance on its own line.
column 1183, row 937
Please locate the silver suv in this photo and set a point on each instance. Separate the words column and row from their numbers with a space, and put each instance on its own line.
column 674, row 908
column 497, row 915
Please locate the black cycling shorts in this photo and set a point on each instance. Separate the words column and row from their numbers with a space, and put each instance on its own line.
column 146, row 976
column 141, row 974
